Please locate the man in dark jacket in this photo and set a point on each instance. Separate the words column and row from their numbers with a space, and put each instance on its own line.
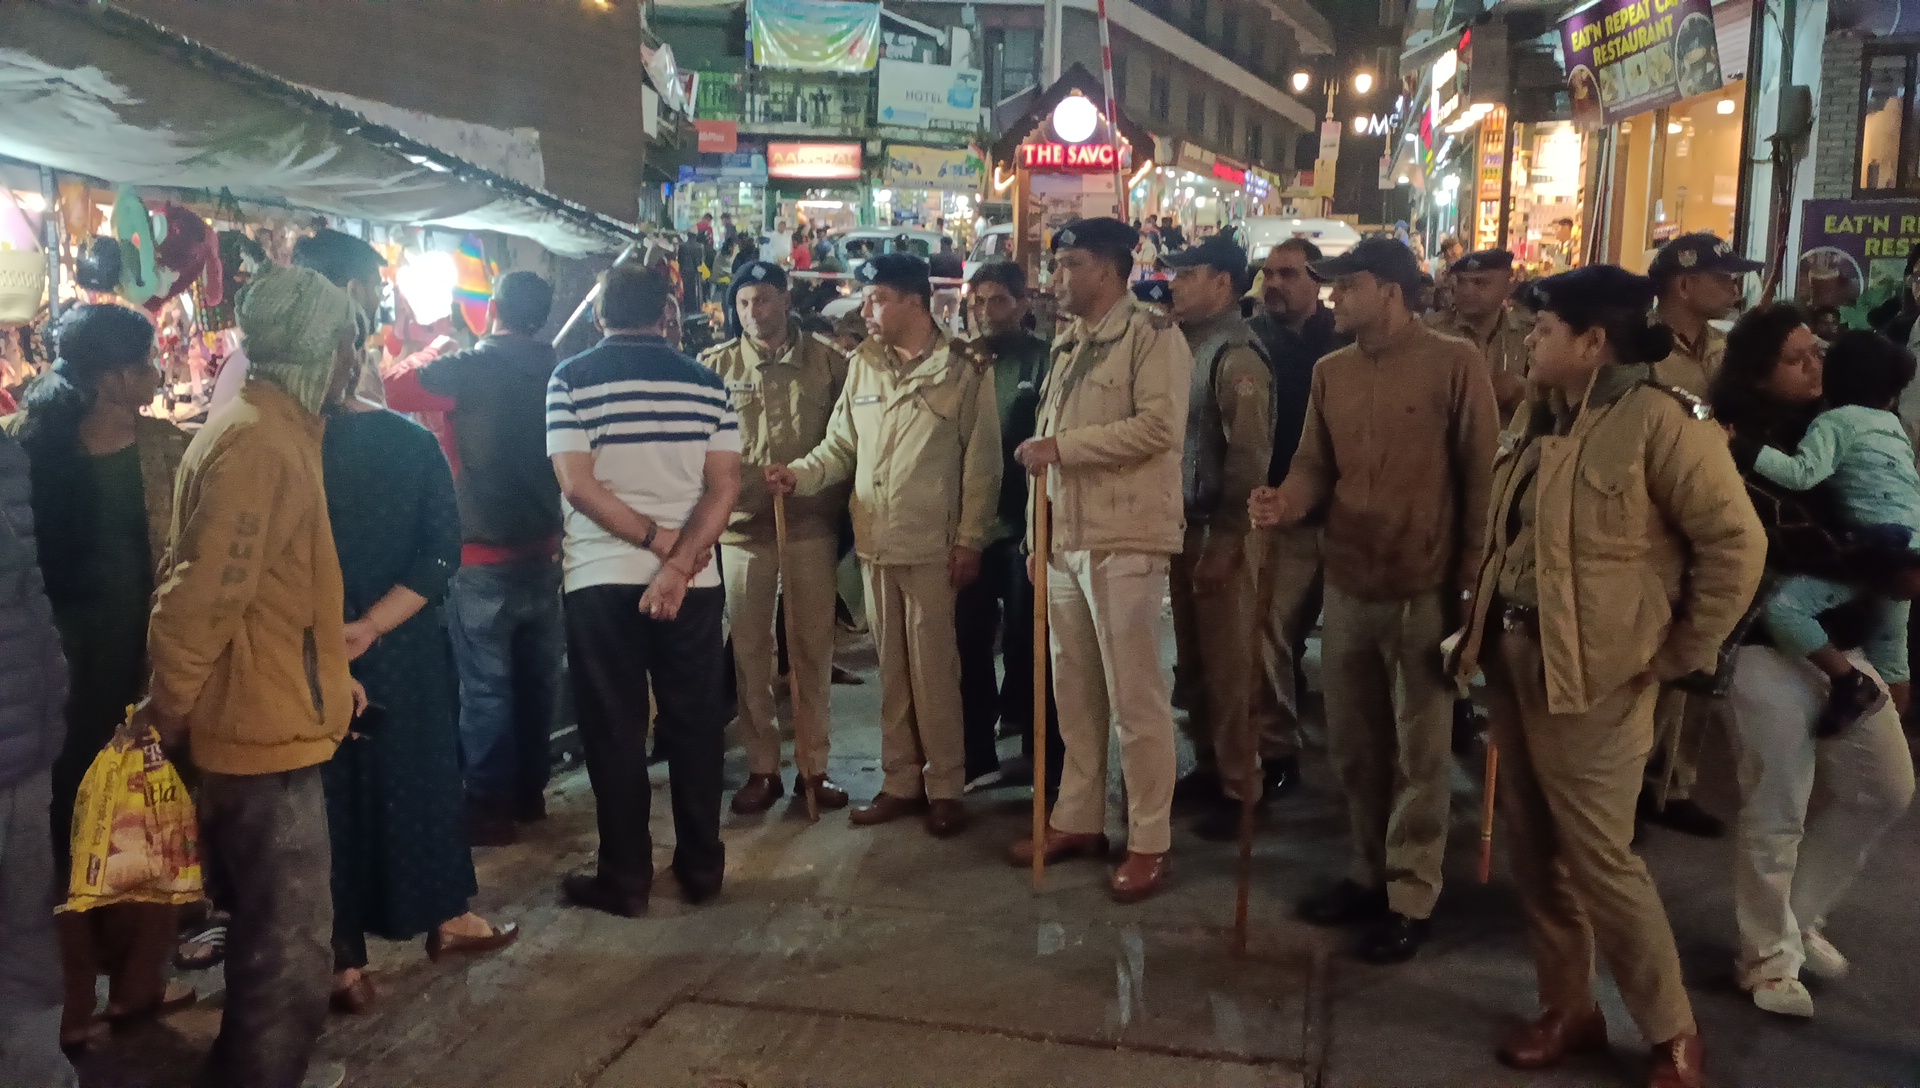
column 33, row 695
column 507, row 632
column 1296, row 329
column 998, row 606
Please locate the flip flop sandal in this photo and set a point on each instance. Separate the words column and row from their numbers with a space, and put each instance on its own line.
column 213, row 939
column 177, row 996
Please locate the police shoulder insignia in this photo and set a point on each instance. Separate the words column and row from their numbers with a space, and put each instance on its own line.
column 1692, row 404
column 1155, row 316
column 720, row 347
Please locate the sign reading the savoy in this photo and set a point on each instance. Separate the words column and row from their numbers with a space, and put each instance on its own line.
column 1625, row 57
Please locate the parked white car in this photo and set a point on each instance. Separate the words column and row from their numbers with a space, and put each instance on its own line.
column 1262, row 233
column 994, row 244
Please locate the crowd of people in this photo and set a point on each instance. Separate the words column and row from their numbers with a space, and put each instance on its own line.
column 349, row 629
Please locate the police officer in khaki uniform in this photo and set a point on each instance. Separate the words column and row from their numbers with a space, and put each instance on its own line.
column 1481, row 314
column 1699, row 280
column 1228, row 444
column 783, row 384
column 917, row 430
column 1108, row 445
column 1620, row 552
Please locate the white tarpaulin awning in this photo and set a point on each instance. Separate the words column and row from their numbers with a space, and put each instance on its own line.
column 94, row 91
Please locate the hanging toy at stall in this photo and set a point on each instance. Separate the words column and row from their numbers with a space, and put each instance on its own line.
column 23, row 268
column 473, row 286
column 100, row 265
column 79, row 215
column 139, row 237
column 241, row 258
column 188, row 258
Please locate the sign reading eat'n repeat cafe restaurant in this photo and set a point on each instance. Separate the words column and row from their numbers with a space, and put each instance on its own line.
column 1625, row 57
column 1853, row 253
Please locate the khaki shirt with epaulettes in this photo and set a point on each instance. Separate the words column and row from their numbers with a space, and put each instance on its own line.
column 783, row 404
column 1692, row 364
column 1505, row 350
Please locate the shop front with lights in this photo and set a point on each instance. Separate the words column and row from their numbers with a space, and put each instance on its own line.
column 1067, row 159
column 823, row 184
column 924, row 187
column 1200, row 189
column 1664, row 93
column 723, row 183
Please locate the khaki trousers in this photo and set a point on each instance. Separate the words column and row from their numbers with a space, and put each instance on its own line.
column 1216, row 643
column 1568, row 784
column 1389, row 729
column 1105, row 621
column 752, row 573
column 1679, row 720
column 1288, row 603
column 922, row 738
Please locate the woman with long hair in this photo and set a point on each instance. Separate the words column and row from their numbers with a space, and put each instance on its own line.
column 1812, row 807
column 1621, row 552
column 396, row 810
column 103, row 504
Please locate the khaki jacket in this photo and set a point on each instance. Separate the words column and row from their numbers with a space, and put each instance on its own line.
column 246, row 639
column 1397, row 455
column 1647, row 551
column 783, row 404
column 921, row 442
column 1115, row 398
column 1505, row 351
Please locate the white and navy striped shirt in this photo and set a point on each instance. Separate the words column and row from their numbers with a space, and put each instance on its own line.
column 649, row 416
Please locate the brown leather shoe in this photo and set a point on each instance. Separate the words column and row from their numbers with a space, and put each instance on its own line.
column 1139, row 877
column 946, row 818
column 886, row 808
column 1678, row 1063
column 828, row 796
column 758, row 795
column 1061, row 846
column 1546, row 1042
column 355, row 999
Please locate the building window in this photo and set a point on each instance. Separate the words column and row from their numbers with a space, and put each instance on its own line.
column 1196, row 113
column 1223, row 125
column 1256, row 143
column 1013, row 56
column 1230, row 46
column 1160, row 101
column 1197, row 20
column 1889, row 142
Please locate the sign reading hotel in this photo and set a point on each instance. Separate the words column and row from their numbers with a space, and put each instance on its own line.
column 1626, row 57
column 813, row 162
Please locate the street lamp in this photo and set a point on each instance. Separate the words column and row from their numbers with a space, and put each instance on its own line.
column 1301, row 81
column 1362, row 82
column 1362, row 85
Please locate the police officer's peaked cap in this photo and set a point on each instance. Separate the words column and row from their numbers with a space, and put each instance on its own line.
column 758, row 272
column 1594, row 287
column 1486, row 260
column 1105, row 235
column 1218, row 252
column 900, row 271
column 1701, row 251
column 1158, row 292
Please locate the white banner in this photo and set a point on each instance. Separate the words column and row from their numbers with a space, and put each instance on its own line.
column 929, row 96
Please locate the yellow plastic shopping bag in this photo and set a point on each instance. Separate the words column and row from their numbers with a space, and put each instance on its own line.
column 135, row 838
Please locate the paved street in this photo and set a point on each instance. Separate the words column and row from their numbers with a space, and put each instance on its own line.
column 882, row 958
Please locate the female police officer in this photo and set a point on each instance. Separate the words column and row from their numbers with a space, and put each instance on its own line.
column 1621, row 551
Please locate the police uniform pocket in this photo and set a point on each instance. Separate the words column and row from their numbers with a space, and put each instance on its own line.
column 1607, row 492
column 942, row 400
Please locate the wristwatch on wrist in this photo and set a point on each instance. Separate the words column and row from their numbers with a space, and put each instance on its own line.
column 653, row 530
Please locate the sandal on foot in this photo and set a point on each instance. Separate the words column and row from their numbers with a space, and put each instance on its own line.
column 208, row 949
column 460, row 945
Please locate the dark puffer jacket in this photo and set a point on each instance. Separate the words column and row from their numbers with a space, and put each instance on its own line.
column 33, row 672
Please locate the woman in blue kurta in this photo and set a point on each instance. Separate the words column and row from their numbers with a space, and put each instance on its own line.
column 395, row 809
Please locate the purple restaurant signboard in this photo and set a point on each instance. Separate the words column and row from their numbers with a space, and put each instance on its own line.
column 1625, row 57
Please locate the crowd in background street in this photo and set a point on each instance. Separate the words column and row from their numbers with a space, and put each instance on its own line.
column 350, row 631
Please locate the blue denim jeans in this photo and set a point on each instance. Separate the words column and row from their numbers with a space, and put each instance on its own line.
column 507, row 641
column 29, row 961
column 1793, row 619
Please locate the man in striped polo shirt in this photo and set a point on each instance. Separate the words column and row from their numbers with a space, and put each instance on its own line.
column 647, row 450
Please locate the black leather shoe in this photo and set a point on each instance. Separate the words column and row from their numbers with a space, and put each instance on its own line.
column 589, row 891
column 1200, row 787
column 1221, row 822
column 1343, row 904
column 696, row 889
column 1282, row 776
column 1394, row 939
column 1682, row 814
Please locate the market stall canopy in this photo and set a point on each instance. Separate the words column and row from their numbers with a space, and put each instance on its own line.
column 91, row 90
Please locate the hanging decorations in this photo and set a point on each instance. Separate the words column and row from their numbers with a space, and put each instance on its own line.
column 133, row 228
column 473, row 286
column 189, row 255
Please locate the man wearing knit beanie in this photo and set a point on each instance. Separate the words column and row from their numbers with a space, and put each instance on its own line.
column 249, row 663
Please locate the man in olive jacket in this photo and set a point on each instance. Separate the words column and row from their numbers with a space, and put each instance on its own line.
column 249, row 660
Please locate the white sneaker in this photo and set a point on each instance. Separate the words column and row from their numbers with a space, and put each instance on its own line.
column 985, row 782
column 1823, row 960
column 324, row 1075
column 1782, row 997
